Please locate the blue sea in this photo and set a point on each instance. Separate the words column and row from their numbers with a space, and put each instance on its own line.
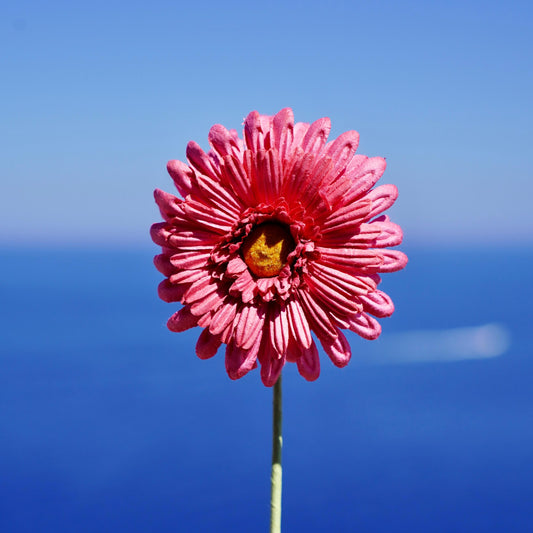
column 109, row 422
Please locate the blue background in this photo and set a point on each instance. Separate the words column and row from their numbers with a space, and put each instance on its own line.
column 109, row 422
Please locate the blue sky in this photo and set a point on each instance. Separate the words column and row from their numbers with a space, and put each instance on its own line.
column 97, row 96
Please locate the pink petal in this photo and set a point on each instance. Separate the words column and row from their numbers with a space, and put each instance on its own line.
column 389, row 234
column 187, row 276
column 283, row 131
column 365, row 236
column 213, row 219
column 200, row 160
column 355, row 285
column 279, row 328
column 298, row 324
column 334, row 192
column 160, row 233
column 209, row 304
column 224, row 316
column 171, row 293
column 393, row 260
column 316, row 316
column 382, row 198
column 207, row 345
column 297, row 179
column 309, row 363
column 256, row 128
column 350, row 257
column 378, row 303
column 182, row 320
column 240, row 361
column 218, row 196
column 169, row 205
column 205, row 319
column 338, row 350
column 244, row 286
column 265, row 286
column 346, row 219
column 238, row 179
column 365, row 326
column 266, row 177
column 248, row 325
column 316, row 136
column 364, row 174
column 163, row 264
column 193, row 240
column 235, row 266
column 182, row 175
column 201, row 288
column 190, row 260
column 332, row 297
column 342, row 150
column 223, row 141
column 271, row 364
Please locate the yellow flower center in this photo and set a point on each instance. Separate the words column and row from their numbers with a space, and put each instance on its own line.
column 266, row 248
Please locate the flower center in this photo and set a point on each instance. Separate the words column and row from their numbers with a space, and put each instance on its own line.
column 266, row 248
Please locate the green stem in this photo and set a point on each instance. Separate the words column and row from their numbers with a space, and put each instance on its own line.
column 275, row 479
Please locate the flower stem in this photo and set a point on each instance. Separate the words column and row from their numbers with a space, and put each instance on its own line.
column 275, row 478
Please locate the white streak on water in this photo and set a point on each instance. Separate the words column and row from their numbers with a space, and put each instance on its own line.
column 456, row 344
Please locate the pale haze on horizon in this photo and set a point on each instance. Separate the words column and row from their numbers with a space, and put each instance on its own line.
column 96, row 98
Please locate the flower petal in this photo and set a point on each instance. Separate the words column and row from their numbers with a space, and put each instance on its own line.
column 224, row 316
column 187, row 276
column 283, row 132
column 244, row 287
column 393, row 260
column 316, row 316
column 279, row 328
column 238, row 179
column 240, row 361
column 388, row 233
column 350, row 257
column 200, row 160
column 338, row 349
column 169, row 205
column 316, row 136
column 213, row 219
column 333, row 297
column 355, row 285
column 163, row 264
column 298, row 324
column 365, row 326
column 218, row 196
column 201, row 288
column 182, row 175
column 210, row 304
column 346, row 219
column 342, row 149
column 382, row 198
column 271, row 365
column 248, row 325
column 256, row 130
column 190, row 260
column 364, row 172
column 309, row 363
column 378, row 303
column 223, row 141
column 171, row 293
column 182, row 320
column 207, row 344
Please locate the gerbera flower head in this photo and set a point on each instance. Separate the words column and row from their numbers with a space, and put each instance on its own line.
column 277, row 237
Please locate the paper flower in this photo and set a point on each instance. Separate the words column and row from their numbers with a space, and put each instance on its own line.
column 277, row 238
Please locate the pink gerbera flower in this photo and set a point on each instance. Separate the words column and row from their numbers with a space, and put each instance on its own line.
column 277, row 238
